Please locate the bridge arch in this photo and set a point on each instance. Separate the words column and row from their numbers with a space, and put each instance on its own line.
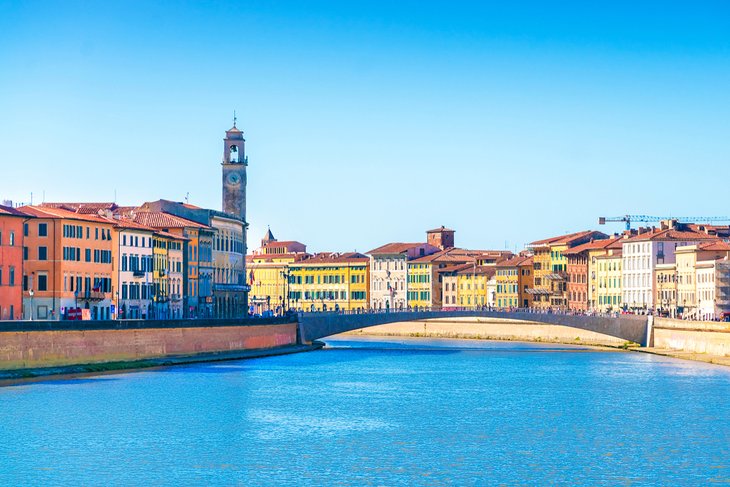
column 313, row 326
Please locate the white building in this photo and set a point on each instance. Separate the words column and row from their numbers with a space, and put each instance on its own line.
column 134, row 281
column 389, row 273
column 647, row 249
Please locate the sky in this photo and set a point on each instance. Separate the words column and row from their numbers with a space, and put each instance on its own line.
column 371, row 122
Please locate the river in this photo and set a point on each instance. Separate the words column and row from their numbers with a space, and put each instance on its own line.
column 379, row 411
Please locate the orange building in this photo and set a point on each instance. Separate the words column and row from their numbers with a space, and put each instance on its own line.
column 11, row 263
column 68, row 264
column 580, row 257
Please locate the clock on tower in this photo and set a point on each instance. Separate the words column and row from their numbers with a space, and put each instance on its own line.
column 234, row 172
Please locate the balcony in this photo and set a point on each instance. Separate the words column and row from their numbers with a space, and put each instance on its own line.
column 236, row 288
column 92, row 296
column 138, row 273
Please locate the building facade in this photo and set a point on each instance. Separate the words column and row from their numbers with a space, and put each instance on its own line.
column 550, row 267
column 646, row 249
column 69, row 264
column 12, row 225
column 389, row 273
column 329, row 282
column 606, row 286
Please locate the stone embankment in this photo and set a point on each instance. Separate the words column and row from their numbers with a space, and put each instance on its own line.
column 707, row 341
column 29, row 349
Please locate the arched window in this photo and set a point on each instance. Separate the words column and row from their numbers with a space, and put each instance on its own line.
column 233, row 156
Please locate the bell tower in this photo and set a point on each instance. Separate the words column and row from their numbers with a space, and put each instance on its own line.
column 234, row 172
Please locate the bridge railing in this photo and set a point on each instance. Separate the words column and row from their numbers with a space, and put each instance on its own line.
column 451, row 309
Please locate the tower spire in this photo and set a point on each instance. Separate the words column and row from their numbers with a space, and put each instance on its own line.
column 234, row 118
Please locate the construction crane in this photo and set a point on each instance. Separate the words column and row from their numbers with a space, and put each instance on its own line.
column 655, row 219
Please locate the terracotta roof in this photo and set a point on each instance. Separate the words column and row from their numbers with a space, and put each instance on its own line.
column 480, row 270
column 334, row 258
column 394, row 248
column 515, row 261
column 10, row 211
column 296, row 256
column 170, row 235
column 160, row 219
column 455, row 268
column 73, row 206
column 717, row 245
column 656, row 234
column 55, row 212
column 567, row 239
column 604, row 243
column 127, row 223
column 283, row 243
column 617, row 254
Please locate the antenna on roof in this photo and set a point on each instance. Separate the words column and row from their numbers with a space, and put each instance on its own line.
column 187, row 197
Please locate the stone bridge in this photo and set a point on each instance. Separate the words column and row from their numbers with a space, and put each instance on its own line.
column 631, row 328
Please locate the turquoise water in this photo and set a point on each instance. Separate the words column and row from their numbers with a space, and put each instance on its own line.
column 379, row 412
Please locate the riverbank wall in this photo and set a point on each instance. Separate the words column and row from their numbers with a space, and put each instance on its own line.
column 493, row 329
column 696, row 337
column 47, row 344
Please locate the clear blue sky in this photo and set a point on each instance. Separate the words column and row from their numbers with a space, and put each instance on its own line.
column 371, row 122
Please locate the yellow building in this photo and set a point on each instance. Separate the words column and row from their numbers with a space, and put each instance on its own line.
column 420, row 283
column 514, row 280
column 550, row 267
column 609, row 246
column 689, row 299
column 268, row 272
column 665, row 285
column 473, row 291
column 426, row 284
column 160, row 274
column 330, row 282
column 607, row 290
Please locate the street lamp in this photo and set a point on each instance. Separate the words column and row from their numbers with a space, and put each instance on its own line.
column 286, row 275
column 31, row 293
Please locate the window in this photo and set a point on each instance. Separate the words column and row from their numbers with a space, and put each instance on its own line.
column 42, row 253
column 11, row 276
column 42, row 230
column 11, row 240
column 1, row 276
column 42, row 282
column 25, row 229
column 25, row 253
